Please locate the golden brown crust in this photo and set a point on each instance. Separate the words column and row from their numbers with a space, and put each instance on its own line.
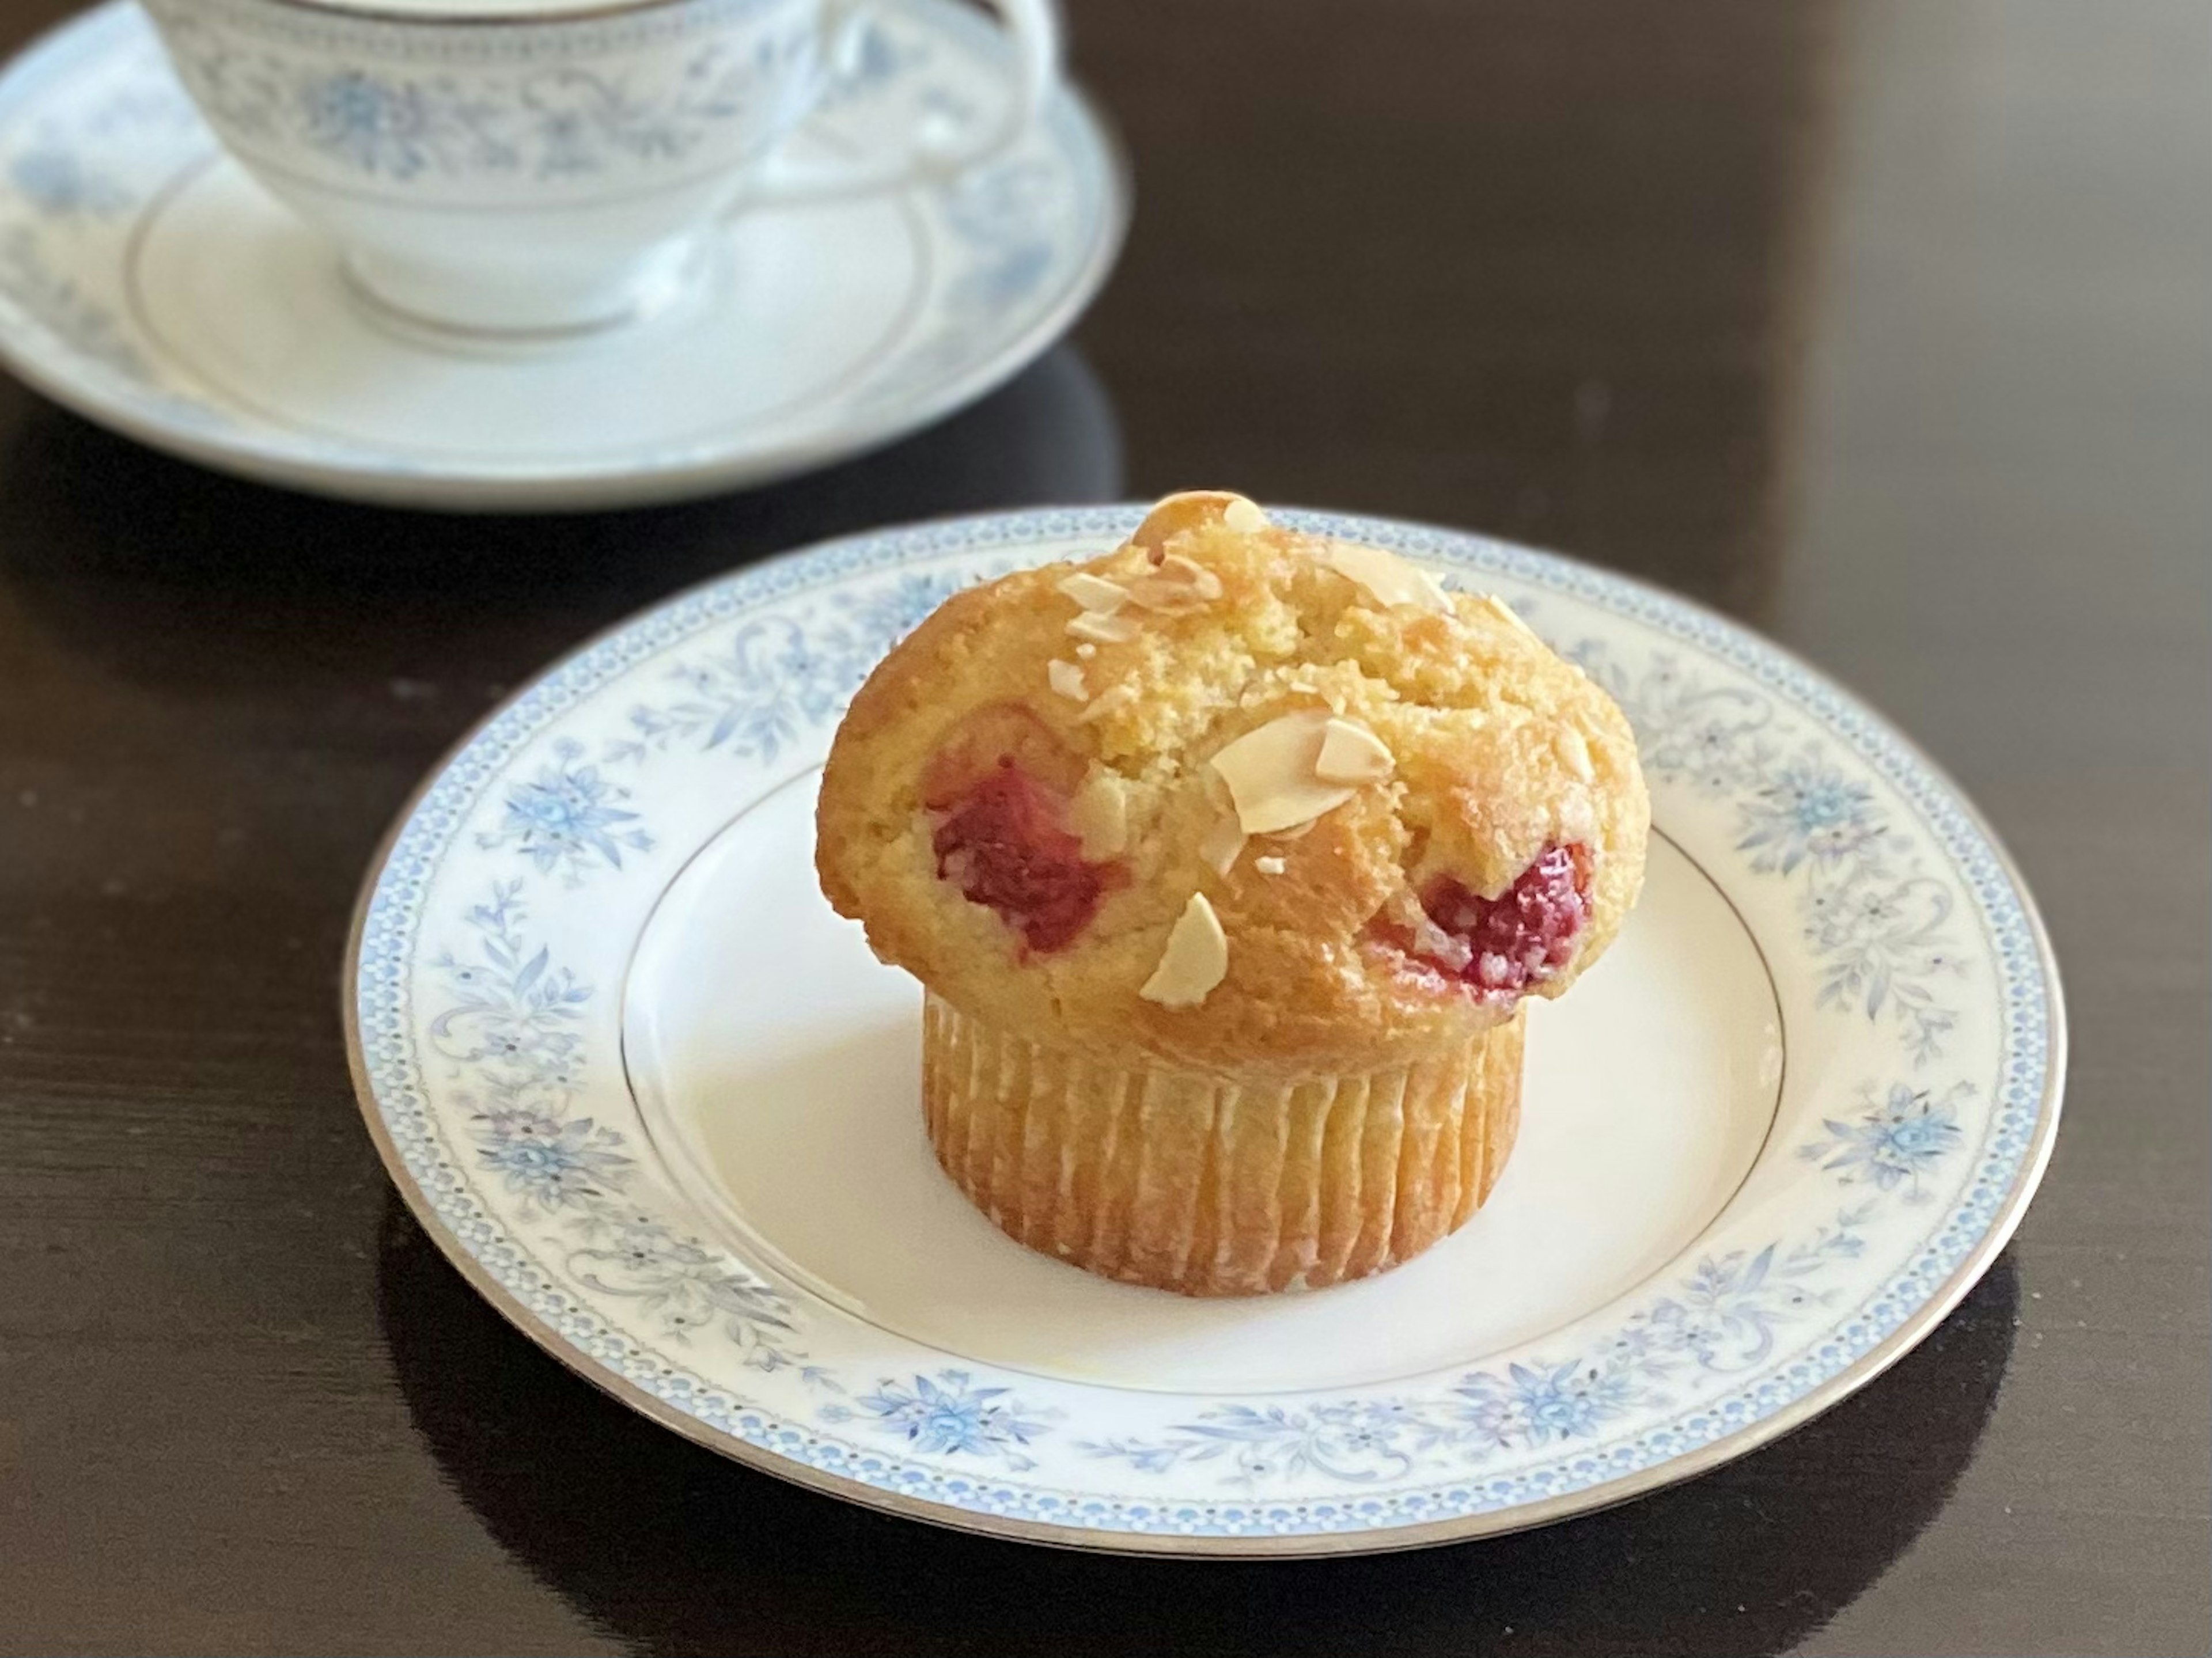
column 1500, row 749
column 1189, row 1182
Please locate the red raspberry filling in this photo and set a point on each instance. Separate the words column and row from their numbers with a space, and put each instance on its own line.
column 1005, row 841
column 1521, row 937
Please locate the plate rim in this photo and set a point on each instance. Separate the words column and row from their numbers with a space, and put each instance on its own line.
column 1911, row 1331
column 609, row 488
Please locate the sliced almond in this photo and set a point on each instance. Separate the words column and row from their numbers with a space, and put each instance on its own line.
column 1186, row 511
column 1296, row 832
column 1574, row 752
column 1066, row 680
column 1270, row 773
column 1351, row 754
column 1180, row 585
column 1268, row 865
column 1195, row 959
column 1110, row 701
column 1095, row 593
column 1387, row 579
column 1103, row 628
column 1244, row 516
column 1099, row 815
column 1505, row 613
column 1086, row 650
column 1221, row 846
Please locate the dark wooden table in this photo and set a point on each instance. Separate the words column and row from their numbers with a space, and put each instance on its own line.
column 1887, row 326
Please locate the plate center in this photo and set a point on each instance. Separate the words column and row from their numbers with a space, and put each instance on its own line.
column 778, row 1068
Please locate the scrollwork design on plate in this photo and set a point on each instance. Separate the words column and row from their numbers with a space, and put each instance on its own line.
column 687, row 1286
column 1720, row 1320
column 1877, row 923
column 992, row 214
column 511, row 1031
column 783, row 675
column 86, row 325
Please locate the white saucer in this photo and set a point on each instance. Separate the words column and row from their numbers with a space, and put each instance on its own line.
column 149, row 284
column 661, row 1106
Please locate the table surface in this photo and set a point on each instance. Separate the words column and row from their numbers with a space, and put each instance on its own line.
column 1885, row 324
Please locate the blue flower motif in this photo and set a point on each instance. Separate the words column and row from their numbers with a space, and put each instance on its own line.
column 380, row 127
column 950, row 1415
column 511, row 1028
column 1876, row 921
column 55, row 180
column 1536, row 1404
column 565, row 818
column 551, row 1161
column 555, row 120
column 1722, row 1319
column 1808, row 810
column 1894, row 1142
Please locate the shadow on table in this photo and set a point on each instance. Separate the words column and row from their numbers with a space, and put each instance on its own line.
column 676, row 1550
column 183, row 578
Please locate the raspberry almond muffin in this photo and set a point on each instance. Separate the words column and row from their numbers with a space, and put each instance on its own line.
column 1227, row 862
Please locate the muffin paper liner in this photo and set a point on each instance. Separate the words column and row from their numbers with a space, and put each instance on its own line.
column 1214, row 1186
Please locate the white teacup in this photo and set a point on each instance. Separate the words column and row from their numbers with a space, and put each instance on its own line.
column 535, row 167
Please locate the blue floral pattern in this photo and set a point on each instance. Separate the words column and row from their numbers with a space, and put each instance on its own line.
column 779, row 678
column 950, row 1415
column 688, row 1287
column 87, row 325
column 994, row 214
column 1876, row 922
column 1801, row 795
column 63, row 184
column 1896, row 1141
column 1722, row 1318
column 510, row 1026
column 368, row 112
column 97, row 131
column 567, row 818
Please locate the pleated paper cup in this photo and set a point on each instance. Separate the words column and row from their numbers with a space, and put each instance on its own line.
column 1214, row 1186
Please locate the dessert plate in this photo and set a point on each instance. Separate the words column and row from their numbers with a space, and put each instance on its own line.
column 147, row 282
column 660, row 1105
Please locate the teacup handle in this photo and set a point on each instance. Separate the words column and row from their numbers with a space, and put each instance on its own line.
column 1035, row 27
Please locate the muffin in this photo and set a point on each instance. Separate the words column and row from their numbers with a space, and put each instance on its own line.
column 1227, row 862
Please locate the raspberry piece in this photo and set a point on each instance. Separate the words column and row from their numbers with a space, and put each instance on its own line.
column 1004, row 841
column 1521, row 937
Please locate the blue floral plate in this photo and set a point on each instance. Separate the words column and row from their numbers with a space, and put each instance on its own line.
column 149, row 284
column 659, row 1104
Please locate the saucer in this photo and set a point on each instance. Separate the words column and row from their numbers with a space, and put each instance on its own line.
column 661, row 1106
column 149, row 284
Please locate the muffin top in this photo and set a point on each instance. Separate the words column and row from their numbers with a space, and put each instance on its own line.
column 1236, row 796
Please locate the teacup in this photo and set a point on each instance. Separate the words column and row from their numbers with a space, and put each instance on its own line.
column 539, row 167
